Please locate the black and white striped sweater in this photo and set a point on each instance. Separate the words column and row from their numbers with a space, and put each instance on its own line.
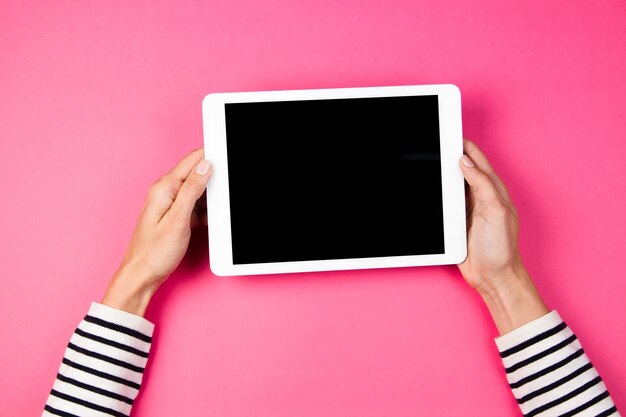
column 103, row 365
column 102, row 369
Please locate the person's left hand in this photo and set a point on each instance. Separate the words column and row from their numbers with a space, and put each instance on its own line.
column 162, row 234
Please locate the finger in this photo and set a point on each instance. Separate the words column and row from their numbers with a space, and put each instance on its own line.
column 190, row 190
column 481, row 161
column 481, row 185
column 181, row 171
column 201, row 208
column 198, row 218
column 163, row 192
column 199, row 214
column 202, row 201
column 469, row 205
column 160, row 198
column 477, row 156
column 195, row 220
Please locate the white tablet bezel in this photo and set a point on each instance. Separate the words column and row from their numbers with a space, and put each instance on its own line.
column 218, row 206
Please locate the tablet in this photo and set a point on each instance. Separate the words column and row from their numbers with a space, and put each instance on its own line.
column 334, row 179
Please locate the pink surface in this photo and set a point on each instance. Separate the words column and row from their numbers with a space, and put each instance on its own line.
column 98, row 99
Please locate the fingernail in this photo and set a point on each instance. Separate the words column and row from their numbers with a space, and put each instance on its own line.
column 203, row 167
column 466, row 161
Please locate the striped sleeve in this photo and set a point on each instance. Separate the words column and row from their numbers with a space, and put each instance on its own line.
column 549, row 372
column 102, row 366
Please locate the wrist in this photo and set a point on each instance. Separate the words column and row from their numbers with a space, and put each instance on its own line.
column 512, row 299
column 130, row 290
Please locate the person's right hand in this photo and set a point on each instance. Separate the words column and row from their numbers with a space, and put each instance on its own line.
column 493, row 226
column 162, row 234
column 493, row 265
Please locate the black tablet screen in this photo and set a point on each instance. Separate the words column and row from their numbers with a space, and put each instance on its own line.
column 334, row 179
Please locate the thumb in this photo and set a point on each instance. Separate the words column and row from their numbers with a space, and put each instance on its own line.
column 480, row 183
column 191, row 189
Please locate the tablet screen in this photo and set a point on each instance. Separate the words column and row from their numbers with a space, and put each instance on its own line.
column 334, row 179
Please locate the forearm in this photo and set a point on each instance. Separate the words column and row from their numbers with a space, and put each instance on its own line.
column 103, row 365
column 549, row 373
column 130, row 290
column 514, row 300
column 544, row 362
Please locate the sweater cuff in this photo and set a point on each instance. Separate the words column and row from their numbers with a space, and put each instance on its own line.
column 528, row 331
column 121, row 318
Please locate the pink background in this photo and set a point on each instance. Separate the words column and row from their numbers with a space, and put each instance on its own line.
column 98, row 99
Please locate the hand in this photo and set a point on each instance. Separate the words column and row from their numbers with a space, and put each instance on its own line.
column 493, row 265
column 161, row 236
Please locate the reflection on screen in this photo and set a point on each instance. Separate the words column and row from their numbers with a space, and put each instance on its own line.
column 334, row 179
